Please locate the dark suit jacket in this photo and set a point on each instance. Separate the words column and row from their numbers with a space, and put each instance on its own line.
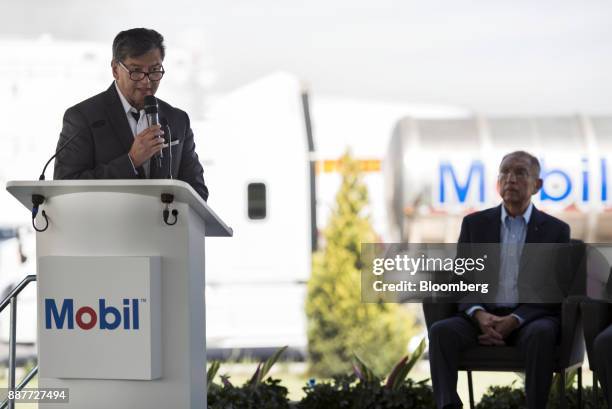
column 485, row 227
column 104, row 138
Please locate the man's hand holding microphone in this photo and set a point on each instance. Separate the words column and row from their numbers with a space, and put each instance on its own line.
column 147, row 144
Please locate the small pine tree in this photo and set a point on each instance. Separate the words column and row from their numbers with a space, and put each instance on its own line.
column 339, row 323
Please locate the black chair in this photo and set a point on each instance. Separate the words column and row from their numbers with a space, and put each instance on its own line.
column 599, row 313
column 569, row 353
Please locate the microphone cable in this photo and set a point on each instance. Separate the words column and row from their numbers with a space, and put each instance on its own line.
column 42, row 175
column 164, row 123
column 37, row 199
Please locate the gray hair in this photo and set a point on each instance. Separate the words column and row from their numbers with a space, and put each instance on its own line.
column 534, row 163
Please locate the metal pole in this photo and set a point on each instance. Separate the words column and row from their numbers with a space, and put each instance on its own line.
column 580, row 387
column 595, row 392
column 471, row 389
column 562, row 399
column 12, row 350
column 21, row 385
column 314, row 239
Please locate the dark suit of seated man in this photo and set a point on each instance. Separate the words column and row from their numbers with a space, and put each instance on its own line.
column 534, row 328
column 112, row 139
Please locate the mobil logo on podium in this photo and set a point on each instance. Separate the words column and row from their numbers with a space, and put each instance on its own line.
column 99, row 317
column 64, row 314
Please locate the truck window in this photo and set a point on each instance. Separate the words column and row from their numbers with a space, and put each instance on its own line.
column 257, row 201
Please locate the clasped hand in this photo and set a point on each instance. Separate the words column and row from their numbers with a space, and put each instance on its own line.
column 494, row 329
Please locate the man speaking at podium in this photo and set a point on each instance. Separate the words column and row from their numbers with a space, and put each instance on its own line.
column 109, row 136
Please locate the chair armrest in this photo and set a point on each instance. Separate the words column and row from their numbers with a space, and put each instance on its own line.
column 572, row 347
column 597, row 315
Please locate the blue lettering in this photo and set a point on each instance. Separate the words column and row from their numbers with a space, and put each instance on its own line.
column 568, row 186
column 476, row 170
column 110, row 318
column 604, row 180
column 104, row 311
column 585, row 180
column 135, row 313
column 67, row 311
column 126, row 313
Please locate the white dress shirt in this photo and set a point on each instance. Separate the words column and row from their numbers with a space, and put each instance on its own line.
column 513, row 233
column 136, row 127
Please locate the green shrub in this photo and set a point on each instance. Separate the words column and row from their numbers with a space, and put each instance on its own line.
column 339, row 324
column 347, row 392
column 502, row 397
column 364, row 390
column 572, row 399
column 256, row 393
column 512, row 397
column 267, row 394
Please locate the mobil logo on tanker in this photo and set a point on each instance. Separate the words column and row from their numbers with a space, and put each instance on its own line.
column 573, row 180
column 63, row 314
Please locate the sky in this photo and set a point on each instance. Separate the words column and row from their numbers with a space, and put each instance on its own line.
column 495, row 57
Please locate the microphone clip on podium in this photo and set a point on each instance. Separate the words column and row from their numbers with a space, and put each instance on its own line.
column 167, row 199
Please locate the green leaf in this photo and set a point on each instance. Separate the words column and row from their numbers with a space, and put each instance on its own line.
column 416, row 355
column 212, row 371
column 569, row 381
column 271, row 361
column 401, row 378
column 255, row 379
column 264, row 367
column 366, row 372
column 396, row 372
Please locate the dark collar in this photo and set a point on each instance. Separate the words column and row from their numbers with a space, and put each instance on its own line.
column 534, row 230
column 117, row 117
column 492, row 225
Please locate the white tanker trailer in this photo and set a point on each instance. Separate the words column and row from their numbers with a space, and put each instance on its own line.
column 438, row 170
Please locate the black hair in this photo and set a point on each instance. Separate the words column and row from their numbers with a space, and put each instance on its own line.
column 136, row 42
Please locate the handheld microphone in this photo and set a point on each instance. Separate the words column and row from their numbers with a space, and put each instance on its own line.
column 152, row 114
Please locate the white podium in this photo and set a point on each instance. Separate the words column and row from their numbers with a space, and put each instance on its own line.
column 121, row 317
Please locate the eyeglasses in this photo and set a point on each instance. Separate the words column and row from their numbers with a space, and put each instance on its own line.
column 520, row 174
column 139, row 75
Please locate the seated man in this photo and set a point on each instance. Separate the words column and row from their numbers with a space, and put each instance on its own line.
column 534, row 328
